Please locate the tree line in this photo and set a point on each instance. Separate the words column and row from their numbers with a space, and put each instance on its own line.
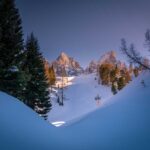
column 22, row 67
column 115, row 76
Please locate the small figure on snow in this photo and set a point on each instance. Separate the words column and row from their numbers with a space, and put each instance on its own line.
column 97, row 99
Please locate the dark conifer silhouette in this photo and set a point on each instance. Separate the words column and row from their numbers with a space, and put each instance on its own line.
column 37, row 91
column 12, row 76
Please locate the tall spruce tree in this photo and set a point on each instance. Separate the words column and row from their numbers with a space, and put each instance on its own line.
column 12, row 77
column 37, row 92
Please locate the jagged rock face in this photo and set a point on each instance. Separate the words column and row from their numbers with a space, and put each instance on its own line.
column 109, row 58
column 64, row 62
column 63, row 59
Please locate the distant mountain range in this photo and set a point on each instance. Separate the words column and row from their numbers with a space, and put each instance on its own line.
column 71, row 67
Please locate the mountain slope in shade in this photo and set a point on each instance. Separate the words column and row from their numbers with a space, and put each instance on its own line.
column 123, row 125
column 64, row 62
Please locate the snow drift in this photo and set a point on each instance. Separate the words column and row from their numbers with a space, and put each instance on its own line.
column 123, row 125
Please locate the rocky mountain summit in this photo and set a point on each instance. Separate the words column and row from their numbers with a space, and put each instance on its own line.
column 66, row 65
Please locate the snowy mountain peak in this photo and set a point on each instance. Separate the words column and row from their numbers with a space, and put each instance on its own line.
column 63, row 59
column 63, row 54
column 71, row 66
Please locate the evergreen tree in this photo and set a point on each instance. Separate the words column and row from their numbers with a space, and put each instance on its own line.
column 114, row 88
column 104, row 72
column 12, row 76
column 113, row 74
column 121, row 83
column 37, row 92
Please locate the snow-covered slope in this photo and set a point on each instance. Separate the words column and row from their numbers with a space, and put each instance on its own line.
column 124, row 125
column 21, row 128
column 79, row 99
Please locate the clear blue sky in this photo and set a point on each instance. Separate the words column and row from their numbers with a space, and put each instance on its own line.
column 84, row 29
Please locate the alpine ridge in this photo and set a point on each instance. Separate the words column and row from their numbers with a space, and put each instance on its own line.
column 66, row 65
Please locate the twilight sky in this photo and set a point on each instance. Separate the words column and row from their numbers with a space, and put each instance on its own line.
column 84, row 29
